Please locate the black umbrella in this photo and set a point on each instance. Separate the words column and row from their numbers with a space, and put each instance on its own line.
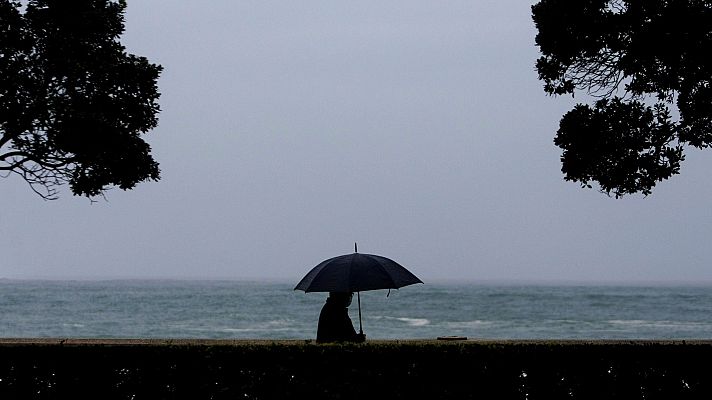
column 356, row 273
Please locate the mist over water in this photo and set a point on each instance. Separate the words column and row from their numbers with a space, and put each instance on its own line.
column 242, row 310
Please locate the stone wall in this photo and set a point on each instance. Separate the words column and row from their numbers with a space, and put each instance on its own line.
column 209, row 369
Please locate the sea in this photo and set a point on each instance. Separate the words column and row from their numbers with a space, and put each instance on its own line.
column 273, row 310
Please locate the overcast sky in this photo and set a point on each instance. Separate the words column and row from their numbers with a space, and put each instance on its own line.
column 291, row 129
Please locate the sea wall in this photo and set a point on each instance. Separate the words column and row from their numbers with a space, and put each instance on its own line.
column 224, row 369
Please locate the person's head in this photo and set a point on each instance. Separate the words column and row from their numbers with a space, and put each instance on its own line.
column 341, row 298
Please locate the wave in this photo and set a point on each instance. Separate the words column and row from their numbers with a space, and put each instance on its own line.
column 414, row 321
column 639, row 323
column 256, row 329
column 409, row 321
column 269, row 326
column 68, row 325
column 468, row 324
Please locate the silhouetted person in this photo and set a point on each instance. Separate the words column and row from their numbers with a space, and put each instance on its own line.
column 334, row 322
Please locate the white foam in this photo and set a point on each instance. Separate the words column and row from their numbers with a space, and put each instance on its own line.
column 268, row 326
column 414, row 321
column 468, row 324
column 255, row 329
column 639, row 323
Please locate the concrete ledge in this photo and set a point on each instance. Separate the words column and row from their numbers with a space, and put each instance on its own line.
column 296, row 342
column 60, row 368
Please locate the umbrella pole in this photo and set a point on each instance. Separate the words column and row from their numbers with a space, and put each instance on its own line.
column 360, row 325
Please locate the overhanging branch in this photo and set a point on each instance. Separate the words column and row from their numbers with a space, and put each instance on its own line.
column 5, row 139
column 29, row 157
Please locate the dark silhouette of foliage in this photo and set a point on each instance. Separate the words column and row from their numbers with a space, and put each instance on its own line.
column 640, row 57
column 73, row 102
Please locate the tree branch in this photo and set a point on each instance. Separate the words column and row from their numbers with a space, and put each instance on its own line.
column 5, row 139
column 61, row 162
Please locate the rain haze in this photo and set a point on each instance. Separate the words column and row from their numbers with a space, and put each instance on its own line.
column 291, row 130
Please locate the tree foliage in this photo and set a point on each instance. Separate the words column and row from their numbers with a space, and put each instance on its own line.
column 73, row 102
column 640, row 58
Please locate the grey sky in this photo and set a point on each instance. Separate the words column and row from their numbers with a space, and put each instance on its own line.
column 291, row 129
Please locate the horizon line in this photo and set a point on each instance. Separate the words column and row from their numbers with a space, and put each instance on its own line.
column 446, row 281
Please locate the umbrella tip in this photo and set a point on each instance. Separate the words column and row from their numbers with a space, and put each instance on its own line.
column 355, row 247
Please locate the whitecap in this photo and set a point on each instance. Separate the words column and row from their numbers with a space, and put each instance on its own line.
column 409, row 321
column 636, row 322
column 279, row 325
column 256, row 329
column 468, row 324
column 413, row 321
column 639, row 323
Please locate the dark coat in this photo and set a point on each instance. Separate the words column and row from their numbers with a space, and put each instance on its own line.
column 335, row 324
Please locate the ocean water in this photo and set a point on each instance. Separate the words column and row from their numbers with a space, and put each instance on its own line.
column 252, row 310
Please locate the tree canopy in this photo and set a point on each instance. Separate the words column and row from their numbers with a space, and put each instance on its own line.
column 73, row 102
column 640, row 59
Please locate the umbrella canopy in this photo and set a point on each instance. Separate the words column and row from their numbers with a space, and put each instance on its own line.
column 356, row 273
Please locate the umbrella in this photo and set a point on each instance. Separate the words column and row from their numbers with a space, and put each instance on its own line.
column 356, row 273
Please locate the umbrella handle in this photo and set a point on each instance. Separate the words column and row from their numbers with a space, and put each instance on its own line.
column 360, row 325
